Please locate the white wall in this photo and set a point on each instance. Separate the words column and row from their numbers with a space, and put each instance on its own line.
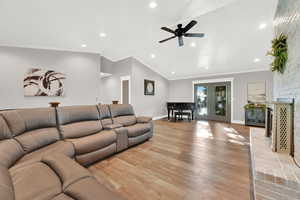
column 181, row 90
column 84, row 86
column 82, row 71
column 111, row 86
column 154, row 106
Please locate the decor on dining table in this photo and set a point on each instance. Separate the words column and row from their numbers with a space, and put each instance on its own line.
column 149, row 87
column 41, row 82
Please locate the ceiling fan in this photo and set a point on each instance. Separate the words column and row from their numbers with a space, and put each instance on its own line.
column 181, row 32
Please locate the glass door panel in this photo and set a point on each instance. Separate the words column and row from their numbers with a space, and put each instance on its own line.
column 213, row 101
column 220, row 100
column 201, row 100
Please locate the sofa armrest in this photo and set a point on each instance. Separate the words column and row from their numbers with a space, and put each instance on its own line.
column 112, row 126
column 143, row 119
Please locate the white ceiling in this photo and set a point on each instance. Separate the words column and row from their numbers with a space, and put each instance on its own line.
column 233, row 38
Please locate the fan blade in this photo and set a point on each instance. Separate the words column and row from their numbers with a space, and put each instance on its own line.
column 189, row 26
column 168, row 30
column 180, row 41
column 194, row 35
column 167, row 39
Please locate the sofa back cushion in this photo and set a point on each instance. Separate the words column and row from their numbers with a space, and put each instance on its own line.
column 78, row 121
column 121, row 110
column 123, row 114
column 4, row 130
column 10, row 150
column 32, row 128
column 105, row 114
column 6, row 185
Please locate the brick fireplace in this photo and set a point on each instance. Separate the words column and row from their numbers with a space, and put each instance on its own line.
column 287, row 21
column 275, row 175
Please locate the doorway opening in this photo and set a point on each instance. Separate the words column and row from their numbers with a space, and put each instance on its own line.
column 213, row 101
column 125, row 90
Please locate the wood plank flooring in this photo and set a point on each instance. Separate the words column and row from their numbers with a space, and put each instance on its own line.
column 191, row 161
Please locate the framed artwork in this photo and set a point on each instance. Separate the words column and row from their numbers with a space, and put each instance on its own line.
column 40, row 82
column 149, row 87
column 257, row 92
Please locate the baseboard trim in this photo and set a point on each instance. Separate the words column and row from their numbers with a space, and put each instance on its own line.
column 159, row 117
column 238, row 122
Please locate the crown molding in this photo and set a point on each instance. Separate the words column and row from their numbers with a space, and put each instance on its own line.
column 149, row 66
column 34, row 47
column 139, row 60
column 218, row 74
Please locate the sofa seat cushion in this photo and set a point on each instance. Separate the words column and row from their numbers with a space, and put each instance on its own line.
column 6, row 185
column 127, row 120
column 143, row 119
column 67, row 169
column 138, row 129
column 35, row 181
column 112, row 126
column 139, row 139
column 92, row 157
column 62, row 197
column 62, row 147
column 90, row 189
column 94, row 142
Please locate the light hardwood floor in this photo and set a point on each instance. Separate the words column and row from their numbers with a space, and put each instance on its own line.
column 193, row 161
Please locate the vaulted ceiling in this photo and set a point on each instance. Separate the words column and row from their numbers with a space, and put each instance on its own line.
column 238, row 32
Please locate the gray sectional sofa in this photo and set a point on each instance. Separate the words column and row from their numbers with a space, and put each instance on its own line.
column 43, row 150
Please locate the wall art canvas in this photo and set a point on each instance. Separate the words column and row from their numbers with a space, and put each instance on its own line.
column 149, row 87
column 257, row 92
column 41, row 82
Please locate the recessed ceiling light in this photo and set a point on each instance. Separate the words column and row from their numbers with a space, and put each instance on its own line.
column 102, row 35
column 83, row 45
column 256, row 60
column 193, row 44
column 262, row 26
column 173, row 72
column 153, row 4
column 152, row 55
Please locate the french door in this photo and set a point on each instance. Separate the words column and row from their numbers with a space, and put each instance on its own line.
column 213, row 101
